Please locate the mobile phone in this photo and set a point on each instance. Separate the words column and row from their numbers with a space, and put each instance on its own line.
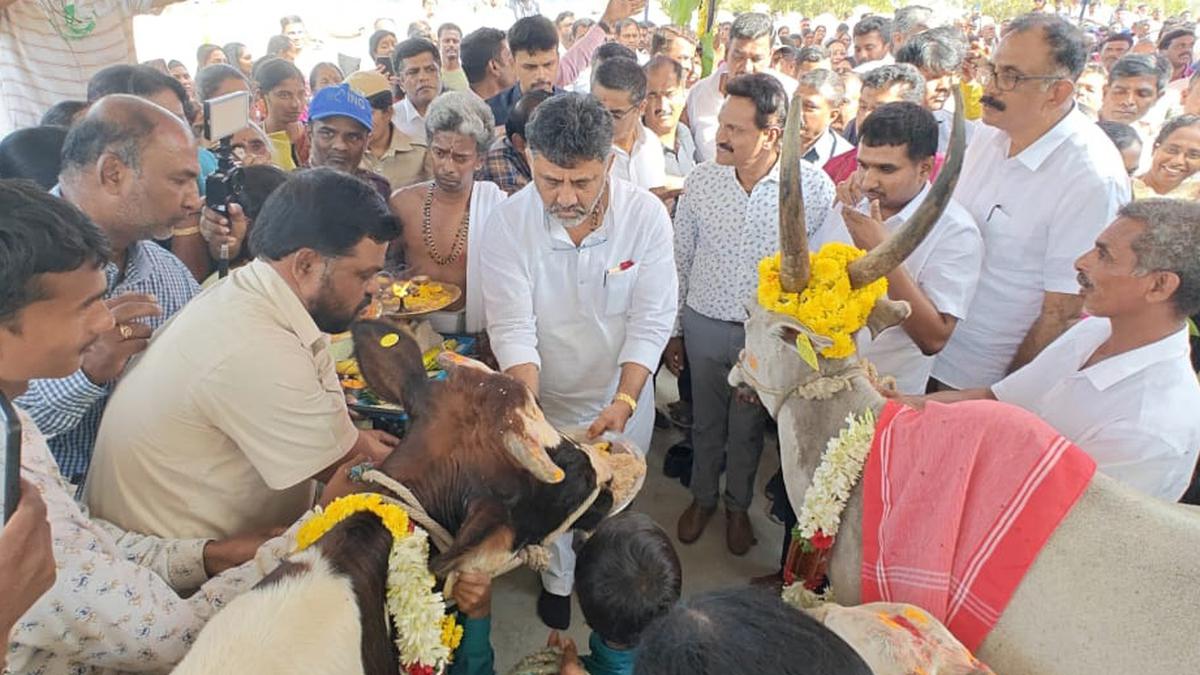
column 12, row 457
column 385, row 63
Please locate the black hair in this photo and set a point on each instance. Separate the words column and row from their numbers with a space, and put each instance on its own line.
column 448, row 26
column 33, row 153
column 203, row 52
column 661, row 61
column 885, row 77
column 533, row 34
column 284, row 22
column 278, row 44
column 665, row 35
column 1142, row 65
column 751, row 26
column 570, row 128
column 875, row 24
column 1122, row 135
column 563, row 15
column 621, row 74
column 40, row 234
column 273, row 72
column 1117, row 37
column 478, row 49
column 518, row 117
column 140, row 81
column 233, row 52
column 620, row 24
column 410, row 48
column 322, row 209
column 743, row 630
column 174, row 64
column 806, row 54
column 902, row 123
column 1174, row 124
column 312, row 74
column 63, row 113
column 418, row 29
column 937, row 50
column 210, row 78
column 1172, row 35
column 122, row 135
column 383, row 101
column 629, row 552
column 611, row 50
column 766, row 93
column 259, row 182
column 376, row 38
column 1067, row 48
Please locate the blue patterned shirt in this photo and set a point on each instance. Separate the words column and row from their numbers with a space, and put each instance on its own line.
column 68, row 410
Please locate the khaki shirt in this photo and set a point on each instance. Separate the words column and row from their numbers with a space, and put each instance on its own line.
column 403, row 163
column 219, row 425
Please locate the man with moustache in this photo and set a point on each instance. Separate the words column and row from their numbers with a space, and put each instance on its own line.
column 1135, row 85
column 339, row 127
column 666, row 94
column 1119, row 383
column 131, row 166
column 450, row 44
column 418, row 65
column 235, row 408
column 580, row 293
column 1041, row 181
column 726, row 221
column 446, row 216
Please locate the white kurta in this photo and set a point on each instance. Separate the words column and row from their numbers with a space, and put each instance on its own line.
column 484, row 198
column 645, row 166
column 569, row 310
column 1135, row 413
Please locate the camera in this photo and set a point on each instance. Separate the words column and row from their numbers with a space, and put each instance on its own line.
column 223, row 117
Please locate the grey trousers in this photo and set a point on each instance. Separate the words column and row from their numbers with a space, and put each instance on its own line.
column 723, row 427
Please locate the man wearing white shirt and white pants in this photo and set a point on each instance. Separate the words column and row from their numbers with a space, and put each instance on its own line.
column 749, row 52
column 896, row 149
column 1120, row 383
column 1041, row 183
column 580, row 293
column 620, row 86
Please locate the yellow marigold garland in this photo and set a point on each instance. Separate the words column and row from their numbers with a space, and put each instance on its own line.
column 828, row 306
column 425, row 635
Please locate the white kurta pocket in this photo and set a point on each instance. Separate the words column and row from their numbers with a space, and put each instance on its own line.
column 618, row 292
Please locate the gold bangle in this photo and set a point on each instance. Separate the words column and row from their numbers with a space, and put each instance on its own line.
column 186, row 231
column 627, row 400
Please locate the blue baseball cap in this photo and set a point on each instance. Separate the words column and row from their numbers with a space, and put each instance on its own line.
column 340, row 100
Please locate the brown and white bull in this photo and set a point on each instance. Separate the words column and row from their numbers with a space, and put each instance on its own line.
column 482, row 461
column 1117, row 586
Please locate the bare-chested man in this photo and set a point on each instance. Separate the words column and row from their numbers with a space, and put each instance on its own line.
column 443, row 218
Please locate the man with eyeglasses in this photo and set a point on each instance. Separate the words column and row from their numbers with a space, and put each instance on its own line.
column 580, row 294
column 620, row 86
column 1041, row 181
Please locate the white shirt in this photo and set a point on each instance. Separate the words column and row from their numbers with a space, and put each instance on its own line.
column 645, row 166
column 407, row 119
column 945, row 267
column 721, row 233
column 39, row 67
column 945, row 122
column 704, row 104
column 1137, row 413
column 571, row 310
column 1038, row 211
column 829, row 145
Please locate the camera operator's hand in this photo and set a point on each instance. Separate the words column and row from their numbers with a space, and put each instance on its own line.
column 104, row 360
column 217, row 229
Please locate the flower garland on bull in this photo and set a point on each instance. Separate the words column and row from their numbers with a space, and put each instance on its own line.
column 426, row 636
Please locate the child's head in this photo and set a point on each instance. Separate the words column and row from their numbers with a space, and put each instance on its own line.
column 627, row 575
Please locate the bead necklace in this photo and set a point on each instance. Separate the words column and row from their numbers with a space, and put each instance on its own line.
column 460, row 237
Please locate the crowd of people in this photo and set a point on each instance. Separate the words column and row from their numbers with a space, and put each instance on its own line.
column 603, row 201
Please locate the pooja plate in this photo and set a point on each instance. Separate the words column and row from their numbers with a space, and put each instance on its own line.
column 424, row 298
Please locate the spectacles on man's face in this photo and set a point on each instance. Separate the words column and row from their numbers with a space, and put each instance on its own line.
column 620, row 114
column 1008, row 79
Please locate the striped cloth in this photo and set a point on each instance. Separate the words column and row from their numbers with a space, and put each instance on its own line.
column 47, row 58
column 957, row 502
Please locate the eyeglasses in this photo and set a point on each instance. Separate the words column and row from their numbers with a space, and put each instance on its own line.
column 1008, row 80
column 619, row 115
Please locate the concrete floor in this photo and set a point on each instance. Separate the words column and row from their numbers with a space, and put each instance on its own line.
column 707, row 564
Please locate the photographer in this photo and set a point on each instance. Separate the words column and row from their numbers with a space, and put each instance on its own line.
column 258, row 182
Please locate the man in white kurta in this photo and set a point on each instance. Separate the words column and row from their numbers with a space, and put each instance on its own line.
column 579, row 290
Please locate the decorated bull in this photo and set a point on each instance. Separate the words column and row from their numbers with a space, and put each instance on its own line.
column 478, row 483
column 1115, row 585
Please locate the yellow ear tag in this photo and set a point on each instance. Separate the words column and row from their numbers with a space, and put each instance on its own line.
column 391, row 339
column 807, row 353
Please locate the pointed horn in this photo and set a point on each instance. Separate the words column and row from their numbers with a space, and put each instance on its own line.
column 888, row 255
column 793, row 235
column 533, row 457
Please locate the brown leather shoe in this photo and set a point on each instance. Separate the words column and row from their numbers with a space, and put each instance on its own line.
column 739, row 535
column 692, row 522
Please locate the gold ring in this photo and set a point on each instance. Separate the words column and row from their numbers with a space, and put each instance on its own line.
column 125, row 330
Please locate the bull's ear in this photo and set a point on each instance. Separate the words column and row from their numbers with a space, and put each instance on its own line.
column 885, row 314
column 390, row 361
column 452, row 360
column 483, row 543
column 789, row 330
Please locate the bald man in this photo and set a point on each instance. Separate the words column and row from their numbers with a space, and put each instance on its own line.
column 130, row 165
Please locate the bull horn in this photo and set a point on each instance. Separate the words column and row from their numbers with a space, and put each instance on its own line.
column 888, row 255
column 533, row 457
column 793, row 233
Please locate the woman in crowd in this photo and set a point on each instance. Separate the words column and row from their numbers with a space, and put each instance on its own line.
column 181, row 74
column 280, row 47
column 33, row 153
column 381, row 44
column 1175, row 160
column 284, row 95
column 239, row 56
column 208, row 54
column 323, row 75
